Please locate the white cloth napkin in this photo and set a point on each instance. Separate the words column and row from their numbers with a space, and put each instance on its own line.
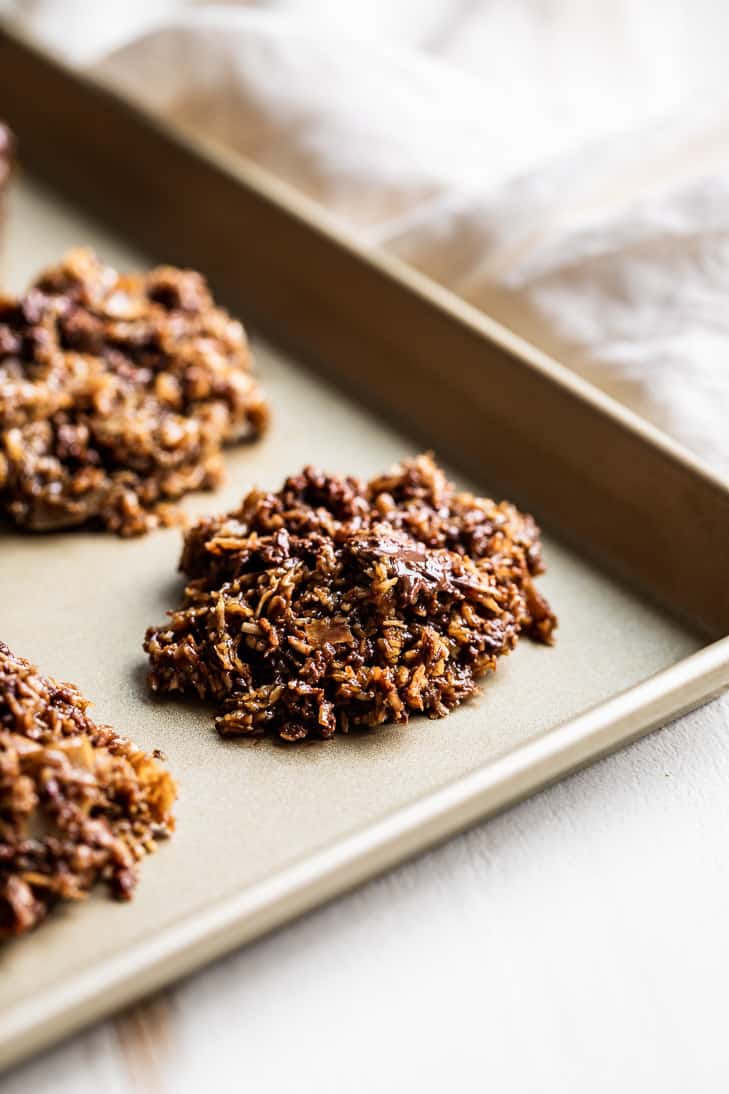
column 563, row 166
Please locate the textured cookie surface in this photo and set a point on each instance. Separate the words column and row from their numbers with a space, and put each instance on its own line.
column 117, row 394
column 78, row 803
column 336, row 603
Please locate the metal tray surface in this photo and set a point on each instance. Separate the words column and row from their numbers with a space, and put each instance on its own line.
column 265, row 831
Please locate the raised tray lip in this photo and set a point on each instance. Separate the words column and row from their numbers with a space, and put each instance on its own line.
column 351, row 860
column 408, row 830
column 706, row 610
column 305, row 210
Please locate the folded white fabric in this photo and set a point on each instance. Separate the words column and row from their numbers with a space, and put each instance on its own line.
column 566, row 172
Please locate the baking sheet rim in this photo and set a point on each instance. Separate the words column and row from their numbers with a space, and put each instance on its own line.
column 299, row 207
column 355, row 857
column 359, row 856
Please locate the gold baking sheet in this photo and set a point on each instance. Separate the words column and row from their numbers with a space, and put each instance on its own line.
column 78, row 605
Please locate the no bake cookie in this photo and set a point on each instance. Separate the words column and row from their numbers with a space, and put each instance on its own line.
column 336, row 603
column 117, row 395
column 78, row 803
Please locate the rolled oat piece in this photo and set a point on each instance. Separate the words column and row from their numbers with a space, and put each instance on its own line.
column 336, row 603
column 79, row 804
column 118, row 393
